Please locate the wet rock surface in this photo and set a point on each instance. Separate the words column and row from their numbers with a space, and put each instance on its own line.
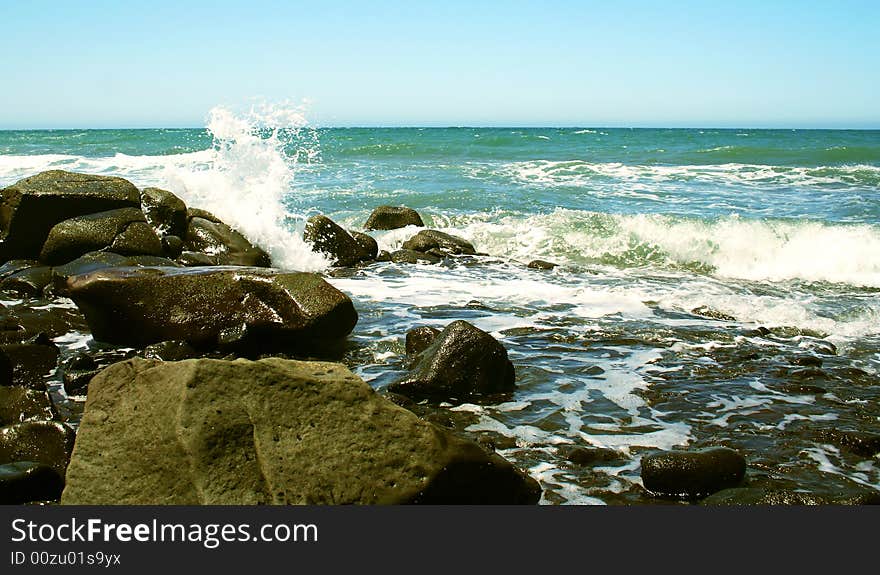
column 692, row 474
column 29, row 481
column 392, row 218
column 427, row 240
column 272, row 431
column 328, row 237
column 219, row 244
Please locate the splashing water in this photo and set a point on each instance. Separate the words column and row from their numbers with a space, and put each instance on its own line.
column 247, row 175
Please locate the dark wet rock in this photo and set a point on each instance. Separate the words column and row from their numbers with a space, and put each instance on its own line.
column 196, row 259
column 427, row 240
column 759, row 331
column 413, row 257
column 368, row 244
column 821, row 347
column 29, row 282
column 706, row 311
column 172, row 246
column 15, row 266
column 383, row 256
column 124, row 231
column 30, row 208
column 164, row 211
column 170, row 351
column 6, row 369
column 806, row 361
column 94, row 261
column 392, row 218
column 589, row 456
column 541, row 265
column 420, row 338
column 209, row 307
column 224, row 245
column 797, row 388
column 861, row 443
column 328, row 237
column 692, row 474
column 200, row 213
column 28, row 481
column 462, row 362
column 19, row 404
column 809, row 374
column 47, row 442
column 269, row 432
column 31, row 363
column 77, row 372
column 760, row 496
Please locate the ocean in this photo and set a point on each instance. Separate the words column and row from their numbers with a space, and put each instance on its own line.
column 714, row 287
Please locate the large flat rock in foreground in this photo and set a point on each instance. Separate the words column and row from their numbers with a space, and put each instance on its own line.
column 230, row 307
column 269, row 432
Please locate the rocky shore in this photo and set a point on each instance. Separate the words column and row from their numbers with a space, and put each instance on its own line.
column 212, row 379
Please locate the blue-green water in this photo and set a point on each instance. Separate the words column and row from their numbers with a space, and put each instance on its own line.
column 766, row 228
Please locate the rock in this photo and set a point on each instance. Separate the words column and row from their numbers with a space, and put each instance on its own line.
column 124, row 231
column 30, row 208
column 77, row 372
column 806, row 361
column 326, row 236
column 27, row 481
column 31, row 363
column 46, row 442
column 427, row 240
column 19, row 404
column 14, row 266
column 541, row 265
column 269, row 432
column 368, row 245
column 392, row 218
column 164, row 211
column 759, row 496
column 692, row 474
column 28, row 282
column 170, row 351
column 383, row 256
column 224, row 245
column 200, row 213
column 207, row 307
column 588, row 456
column 419, row 339
column 196, row 259
column 94, row 261
column 463, row 362
column 413, row 257
column 862, row 443
column 5, row 369
column 706, row 311
column 172, row 246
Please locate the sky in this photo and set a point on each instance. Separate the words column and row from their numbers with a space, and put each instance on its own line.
column 784, row 63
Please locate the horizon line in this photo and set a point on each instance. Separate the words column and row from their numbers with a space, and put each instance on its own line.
column 470, row 126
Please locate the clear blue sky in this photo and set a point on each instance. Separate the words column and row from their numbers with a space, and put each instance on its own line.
column 609, row 63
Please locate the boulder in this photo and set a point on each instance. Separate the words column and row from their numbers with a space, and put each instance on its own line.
column 31, row 363
column 413, row 257
column 392, row 218
column 273, row 431
column 420, row 338
column 19, row 404
column 328, row 237
column 94, row 261
column 222, row 244
column 692, row 474
column 589, row 456
column 172, row 246
column 541, row 265
column 368, row 245
column 30, row 208
column 209, row 307
column 427, row 240
column 14, row 266
column 29, row 481
column 164, row 211
column 463, row 362
column 46, row 442
column 124, row 231
column 28, row 282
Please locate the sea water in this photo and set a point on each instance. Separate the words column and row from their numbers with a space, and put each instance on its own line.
column 695, row 267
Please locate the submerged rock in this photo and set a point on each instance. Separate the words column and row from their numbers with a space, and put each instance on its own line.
column 210, row 307
column 30, row 208
column 269, row 432
column 328, row 237
column 221, row 244
column 462, row 362
column 427, row 240
column 28, row 282
column 692, row 474
column 541, row 265
column 124, row 231
column 28, row 481
column 588, row 456
column 420, row 338
column 862, row 443
column 164, row 211
column 46, row 442
column 393, row 217
column 759, row 496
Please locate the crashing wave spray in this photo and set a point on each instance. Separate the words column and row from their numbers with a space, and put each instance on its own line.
column 248, row 174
